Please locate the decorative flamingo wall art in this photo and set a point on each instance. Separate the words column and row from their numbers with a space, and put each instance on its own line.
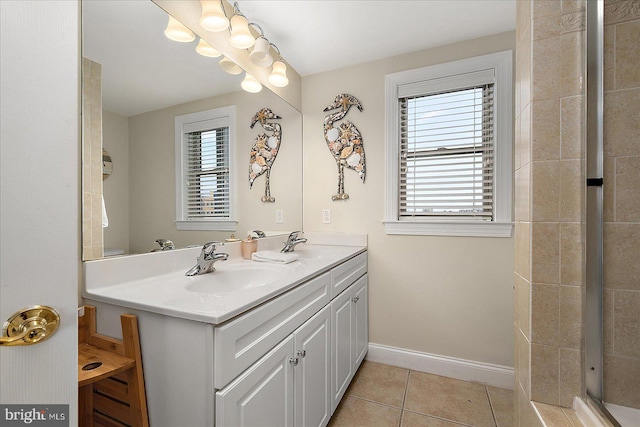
column 344, row 141
column 264, row 150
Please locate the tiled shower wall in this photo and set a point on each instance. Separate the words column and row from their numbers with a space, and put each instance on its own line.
column 622, row 203
column 549, row 204
column 91, row 160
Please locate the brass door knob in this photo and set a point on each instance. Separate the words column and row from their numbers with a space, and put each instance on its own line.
column 30, row 326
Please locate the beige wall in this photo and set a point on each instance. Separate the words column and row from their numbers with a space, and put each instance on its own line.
column 622, row 204
column 152, row 172
column 115, row 140
column 449, row 296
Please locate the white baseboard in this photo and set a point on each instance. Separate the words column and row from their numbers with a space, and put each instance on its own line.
column 467, row 370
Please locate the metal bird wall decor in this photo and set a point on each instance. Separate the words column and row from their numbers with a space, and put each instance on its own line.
column 264, row 150
column 344, row 141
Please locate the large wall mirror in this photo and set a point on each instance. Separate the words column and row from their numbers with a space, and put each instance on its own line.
column 142, row 81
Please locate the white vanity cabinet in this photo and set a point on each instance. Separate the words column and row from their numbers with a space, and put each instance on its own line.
column 287, row 387
column 350, row 318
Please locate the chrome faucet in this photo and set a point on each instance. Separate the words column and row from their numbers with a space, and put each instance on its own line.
column 207, row 258
column 165, row 245
column 259, row 233
column 292, row 241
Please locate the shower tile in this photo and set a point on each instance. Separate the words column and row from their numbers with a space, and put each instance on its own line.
column 449, row 398
column 380, row 383
column 572, row 63
column 545, row 129
column 571, row 183
column 622, row 381
column 525, row 136
column 607, row 314
column 627, row 189
column 545, row 252
column 553, row 415
column 545, row 191
column 546, row 68
column 571, row 254
column 622, row 256
column 522, row 249
column 546, row 26
column 620, row 11
column 609, row 57
column 522, row 304
column 608, row 191
column 621, row 124
column 525, row 415
column 626, row 324
column 571, row 127
column 570, row 376
column 524, row 358
column 570, row 320
column 523, row 24
column 546, row 8
column 572, row 5
column 544, row 374
column 545, row 311
column 523, row 185
column 627, row 53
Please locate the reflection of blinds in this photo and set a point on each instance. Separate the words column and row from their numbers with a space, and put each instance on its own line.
column 207, row 172
column 446, row 154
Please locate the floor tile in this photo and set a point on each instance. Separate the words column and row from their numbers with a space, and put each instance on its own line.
column 449, row 398
column 502, row 405
column 411, row 419
column 380, row 383
column 354, row 412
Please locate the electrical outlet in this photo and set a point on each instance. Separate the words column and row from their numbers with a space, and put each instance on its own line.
column 326, row 216
column 279, row 216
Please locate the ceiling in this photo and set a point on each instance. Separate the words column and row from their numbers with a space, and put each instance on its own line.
column 144, row 71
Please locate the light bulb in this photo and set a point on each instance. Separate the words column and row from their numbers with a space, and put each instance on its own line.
column 250, row 84
column 260, row 55
column 229, row 66
column 240, row 37
column 213, row 17
column 278, row 76
column 177, row 32
column 205, row 49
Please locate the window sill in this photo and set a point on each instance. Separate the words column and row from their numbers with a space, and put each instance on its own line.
column 449, row 228
column 228, row 225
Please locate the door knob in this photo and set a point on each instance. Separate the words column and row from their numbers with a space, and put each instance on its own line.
column 30, row 326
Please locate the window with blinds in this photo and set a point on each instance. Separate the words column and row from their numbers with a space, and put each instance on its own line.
column 449, row 137
column 446, row 154
column 207, row 174
column 205, row 193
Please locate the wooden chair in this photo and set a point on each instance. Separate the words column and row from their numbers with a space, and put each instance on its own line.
column 110, row 379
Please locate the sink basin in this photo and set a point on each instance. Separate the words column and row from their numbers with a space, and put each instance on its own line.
column 236, row 277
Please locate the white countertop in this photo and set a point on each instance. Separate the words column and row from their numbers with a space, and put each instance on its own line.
column 157, row 283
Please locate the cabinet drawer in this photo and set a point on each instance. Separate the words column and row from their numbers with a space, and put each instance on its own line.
column 346, row 273
column 239, row 343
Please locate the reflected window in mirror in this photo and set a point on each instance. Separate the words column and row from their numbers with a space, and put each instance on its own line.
column 205, row 187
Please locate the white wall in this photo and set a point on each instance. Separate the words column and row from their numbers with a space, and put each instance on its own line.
column 115, row 140
column 449, row 296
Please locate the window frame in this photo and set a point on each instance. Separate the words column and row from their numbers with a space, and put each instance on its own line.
column 453, row 74
column 193, row 121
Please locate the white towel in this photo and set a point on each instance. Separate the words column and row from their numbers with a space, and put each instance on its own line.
column 274, row 257
column 105, row 220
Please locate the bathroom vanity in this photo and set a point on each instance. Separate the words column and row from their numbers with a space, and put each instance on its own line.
column 249, row 344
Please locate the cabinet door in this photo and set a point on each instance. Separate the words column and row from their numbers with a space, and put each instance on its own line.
column 263, row 395
column 361, row 320
column 341, row 349
column 312, row 403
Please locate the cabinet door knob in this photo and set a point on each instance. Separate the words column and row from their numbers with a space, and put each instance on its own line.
column 294, row 361
column 355, row 299
column 302, row 353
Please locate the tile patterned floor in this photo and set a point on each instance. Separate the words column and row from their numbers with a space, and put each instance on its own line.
column 382, row 395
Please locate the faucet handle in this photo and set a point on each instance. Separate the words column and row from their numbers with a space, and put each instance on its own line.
column 165, row 244
column 259, row 233
column 294, row 235
column 210, row 247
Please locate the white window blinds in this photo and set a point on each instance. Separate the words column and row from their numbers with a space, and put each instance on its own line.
column 446, row 149
column 207, row 174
